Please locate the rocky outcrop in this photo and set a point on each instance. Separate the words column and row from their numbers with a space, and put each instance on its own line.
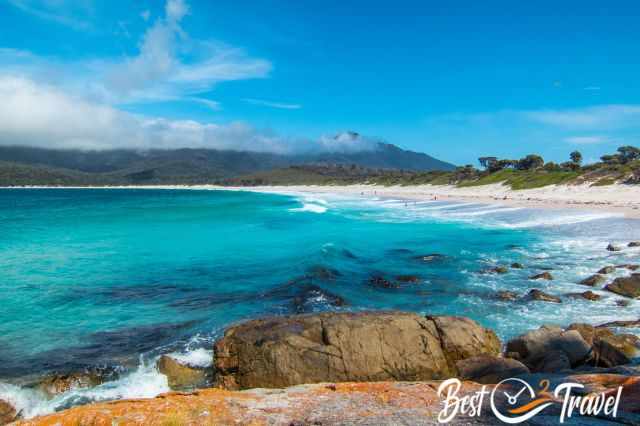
column 608, row 349
column 489, row 369
column 340, row 347
column 517, row 265
column 626, row 286
column 60, row 383
column 616, row 349
column 549, row 349
column 593, row 280
column 612, row 247
column 7, row 413
column 334, row 348
column 181, row 376
column 634, row 244
column 543, row 276
column 380, row 404
column 607, row 270
column 541, row 296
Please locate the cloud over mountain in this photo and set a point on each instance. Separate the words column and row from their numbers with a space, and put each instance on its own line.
column 42, row 115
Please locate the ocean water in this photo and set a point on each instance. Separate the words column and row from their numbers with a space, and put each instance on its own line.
column 114, row 278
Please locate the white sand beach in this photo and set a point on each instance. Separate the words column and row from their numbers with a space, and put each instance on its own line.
column 624, row 199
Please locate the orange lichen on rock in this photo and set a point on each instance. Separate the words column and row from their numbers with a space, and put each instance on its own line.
column 413, row 403
column 379, row 403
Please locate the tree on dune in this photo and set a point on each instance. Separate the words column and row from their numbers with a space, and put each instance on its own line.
column 576, row 157
column 530, row 162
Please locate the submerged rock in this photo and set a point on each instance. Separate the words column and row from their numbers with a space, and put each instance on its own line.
column 621, row 323
column 550, row 349
column 499, row 270
column 380, row 281
column 628, row 266
column 607, row 270
column 323, row 273
column 399, row 251
column 543, row 276
column 312, row 298
column 588, row 295
column 408, row 278
column 348, row 254
column 541, row 296
column 431, row 257
column 338, row 347
column 182, row 376
column 507, row 295
column 487, row 369
column 7, row 413
column 612, row 247
column 593, row 280
column 516, row 265
column 626, row 286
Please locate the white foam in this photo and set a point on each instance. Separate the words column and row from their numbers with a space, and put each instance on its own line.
column 145, row 382
column 310, row 207
column 316, row 200
column 201, row 358
column 560, row 220
column 27, row 402
column 448, row 206
column 487, row 211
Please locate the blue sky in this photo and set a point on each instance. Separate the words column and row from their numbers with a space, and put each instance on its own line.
column 456, row 79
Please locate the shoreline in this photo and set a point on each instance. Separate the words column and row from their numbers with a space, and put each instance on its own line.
column 616, row 198
column 426, row 193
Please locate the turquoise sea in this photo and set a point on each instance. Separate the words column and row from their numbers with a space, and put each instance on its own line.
column 112, row 278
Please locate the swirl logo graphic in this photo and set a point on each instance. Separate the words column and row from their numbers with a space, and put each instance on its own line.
column 522, row 403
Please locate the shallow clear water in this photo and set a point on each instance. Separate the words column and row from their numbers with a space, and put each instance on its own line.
column 116, row 277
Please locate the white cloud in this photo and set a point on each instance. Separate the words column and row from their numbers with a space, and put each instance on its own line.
column 596, row 117
column 213, row 105
column 176, row 10
column 347, row 142
column 39, row 115
column 44, row 116
column 586, row 140
column 278, row 105
column 73, row 14
column 169, row 65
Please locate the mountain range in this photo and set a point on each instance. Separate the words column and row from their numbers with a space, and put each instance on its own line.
column 21, row 165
